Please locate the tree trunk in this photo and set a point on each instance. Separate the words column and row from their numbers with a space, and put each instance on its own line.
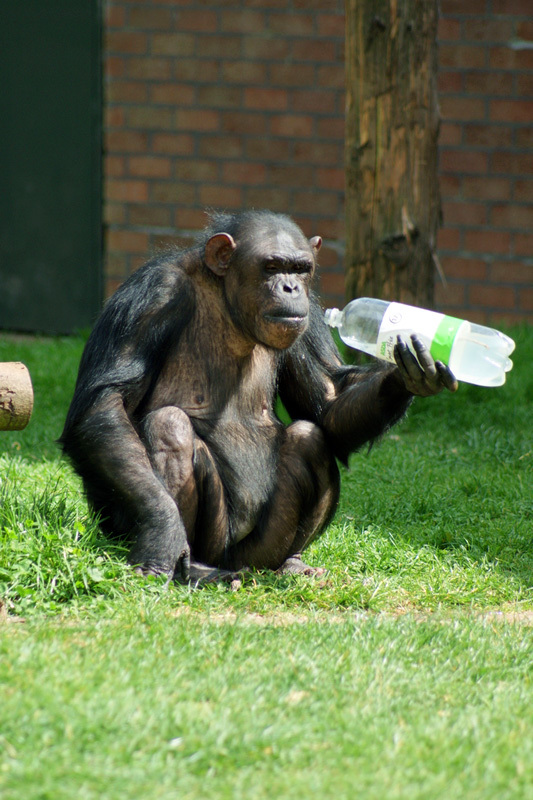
column 16, row 396
column 392, row 122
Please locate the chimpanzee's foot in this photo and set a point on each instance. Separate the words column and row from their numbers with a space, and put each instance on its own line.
column 201, row 574
column 295, row 566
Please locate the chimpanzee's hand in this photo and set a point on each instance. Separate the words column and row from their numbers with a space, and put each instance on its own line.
column 423, row 377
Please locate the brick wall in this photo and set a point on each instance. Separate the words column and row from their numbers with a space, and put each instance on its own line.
column 242, row 105
column 486, row 158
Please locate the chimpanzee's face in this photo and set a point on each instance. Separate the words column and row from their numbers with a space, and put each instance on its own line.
column 267, row 285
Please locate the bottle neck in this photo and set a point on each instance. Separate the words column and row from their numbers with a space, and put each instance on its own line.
column 333, row 317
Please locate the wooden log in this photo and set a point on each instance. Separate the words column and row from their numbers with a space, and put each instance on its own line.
column 392, row 123
column 16, row 396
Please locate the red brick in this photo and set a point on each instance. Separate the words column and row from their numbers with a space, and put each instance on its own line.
column 243, row 173
column 487, row 29
column 464, row 214
column 462, row 108
column 178, row 94
column 124, row 42
column 150, row 18
column 330, row 178
column 114, row 166
column 292, row 74
column 113, row 117
column 292, row 24
column 173, row 193
column 244, row 123
column 173, row 44
column 450, row 82
column 150, row 117
column 525, row 297
column 450, row 185
column 127, row 190
column 180, row 144
column 314, row 50
column 255, row 47
column 220, row 96
column 127, row 241
column 332, row 283
column 114, row 213
column 458, row 7
column 265, row 197
column 197, row 21
column 126, row 92
column 461, row 56
column 506, row 58
column 190, row 219
column 125, row 141
column 524, row 30
column 221, row 196
column 222, row 47
column 487, row 188
column 486, row 83
column 318, row 153
column 149, row 167
column 523, row 191
column 492, row 296
column 331, row 77
column 292, row 125
column 114, row 16
column 314, row 100
column 221, row 146
column 512, row 216
column 511, row 272
column 195, row 70
column 197, row 170
column 197, row 120
column 463, row 161
column 449, row 29
column 317, row 203
column 448, row 298
column 114, row 67
column 448, row 238
column 149, row 216
column 268, row 150
column 519, row 7
column 511, row 110
column 243, row 72
column 331, row 128
column 487, row 241
column 148, row 68
column 512, row 163
column 450, row 134
column 524, row 137
column 266, row 99
column 456, row 267
column 523, row 244
column 291, row 175
column 488, row 135
column 243, row 21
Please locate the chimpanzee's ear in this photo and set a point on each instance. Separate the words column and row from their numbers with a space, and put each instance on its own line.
column 316, row 243
column 218, row 251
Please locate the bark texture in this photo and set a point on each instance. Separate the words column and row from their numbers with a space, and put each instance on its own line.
column 392, row 196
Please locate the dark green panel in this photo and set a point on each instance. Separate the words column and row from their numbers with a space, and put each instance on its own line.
column 50, row 164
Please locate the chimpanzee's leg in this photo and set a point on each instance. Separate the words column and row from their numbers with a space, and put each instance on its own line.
column 186, row 467
column 302, row 504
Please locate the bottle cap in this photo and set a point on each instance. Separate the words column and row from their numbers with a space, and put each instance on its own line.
column 333, row 317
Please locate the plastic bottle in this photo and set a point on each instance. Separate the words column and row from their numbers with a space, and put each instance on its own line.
column 474, row 353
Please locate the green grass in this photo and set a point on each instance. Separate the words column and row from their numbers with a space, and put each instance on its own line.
column 404, row 673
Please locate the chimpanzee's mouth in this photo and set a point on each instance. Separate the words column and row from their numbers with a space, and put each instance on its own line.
column 287, row 319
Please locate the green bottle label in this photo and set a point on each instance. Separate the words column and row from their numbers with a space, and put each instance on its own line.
column 441, row 346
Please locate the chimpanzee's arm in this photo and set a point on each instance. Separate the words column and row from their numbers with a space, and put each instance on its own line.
column 119, row 367
column 352, row 404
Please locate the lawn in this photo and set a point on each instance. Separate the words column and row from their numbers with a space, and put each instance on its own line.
column 405, row 672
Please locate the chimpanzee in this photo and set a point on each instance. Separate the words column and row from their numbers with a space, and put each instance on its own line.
column 173, row 426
